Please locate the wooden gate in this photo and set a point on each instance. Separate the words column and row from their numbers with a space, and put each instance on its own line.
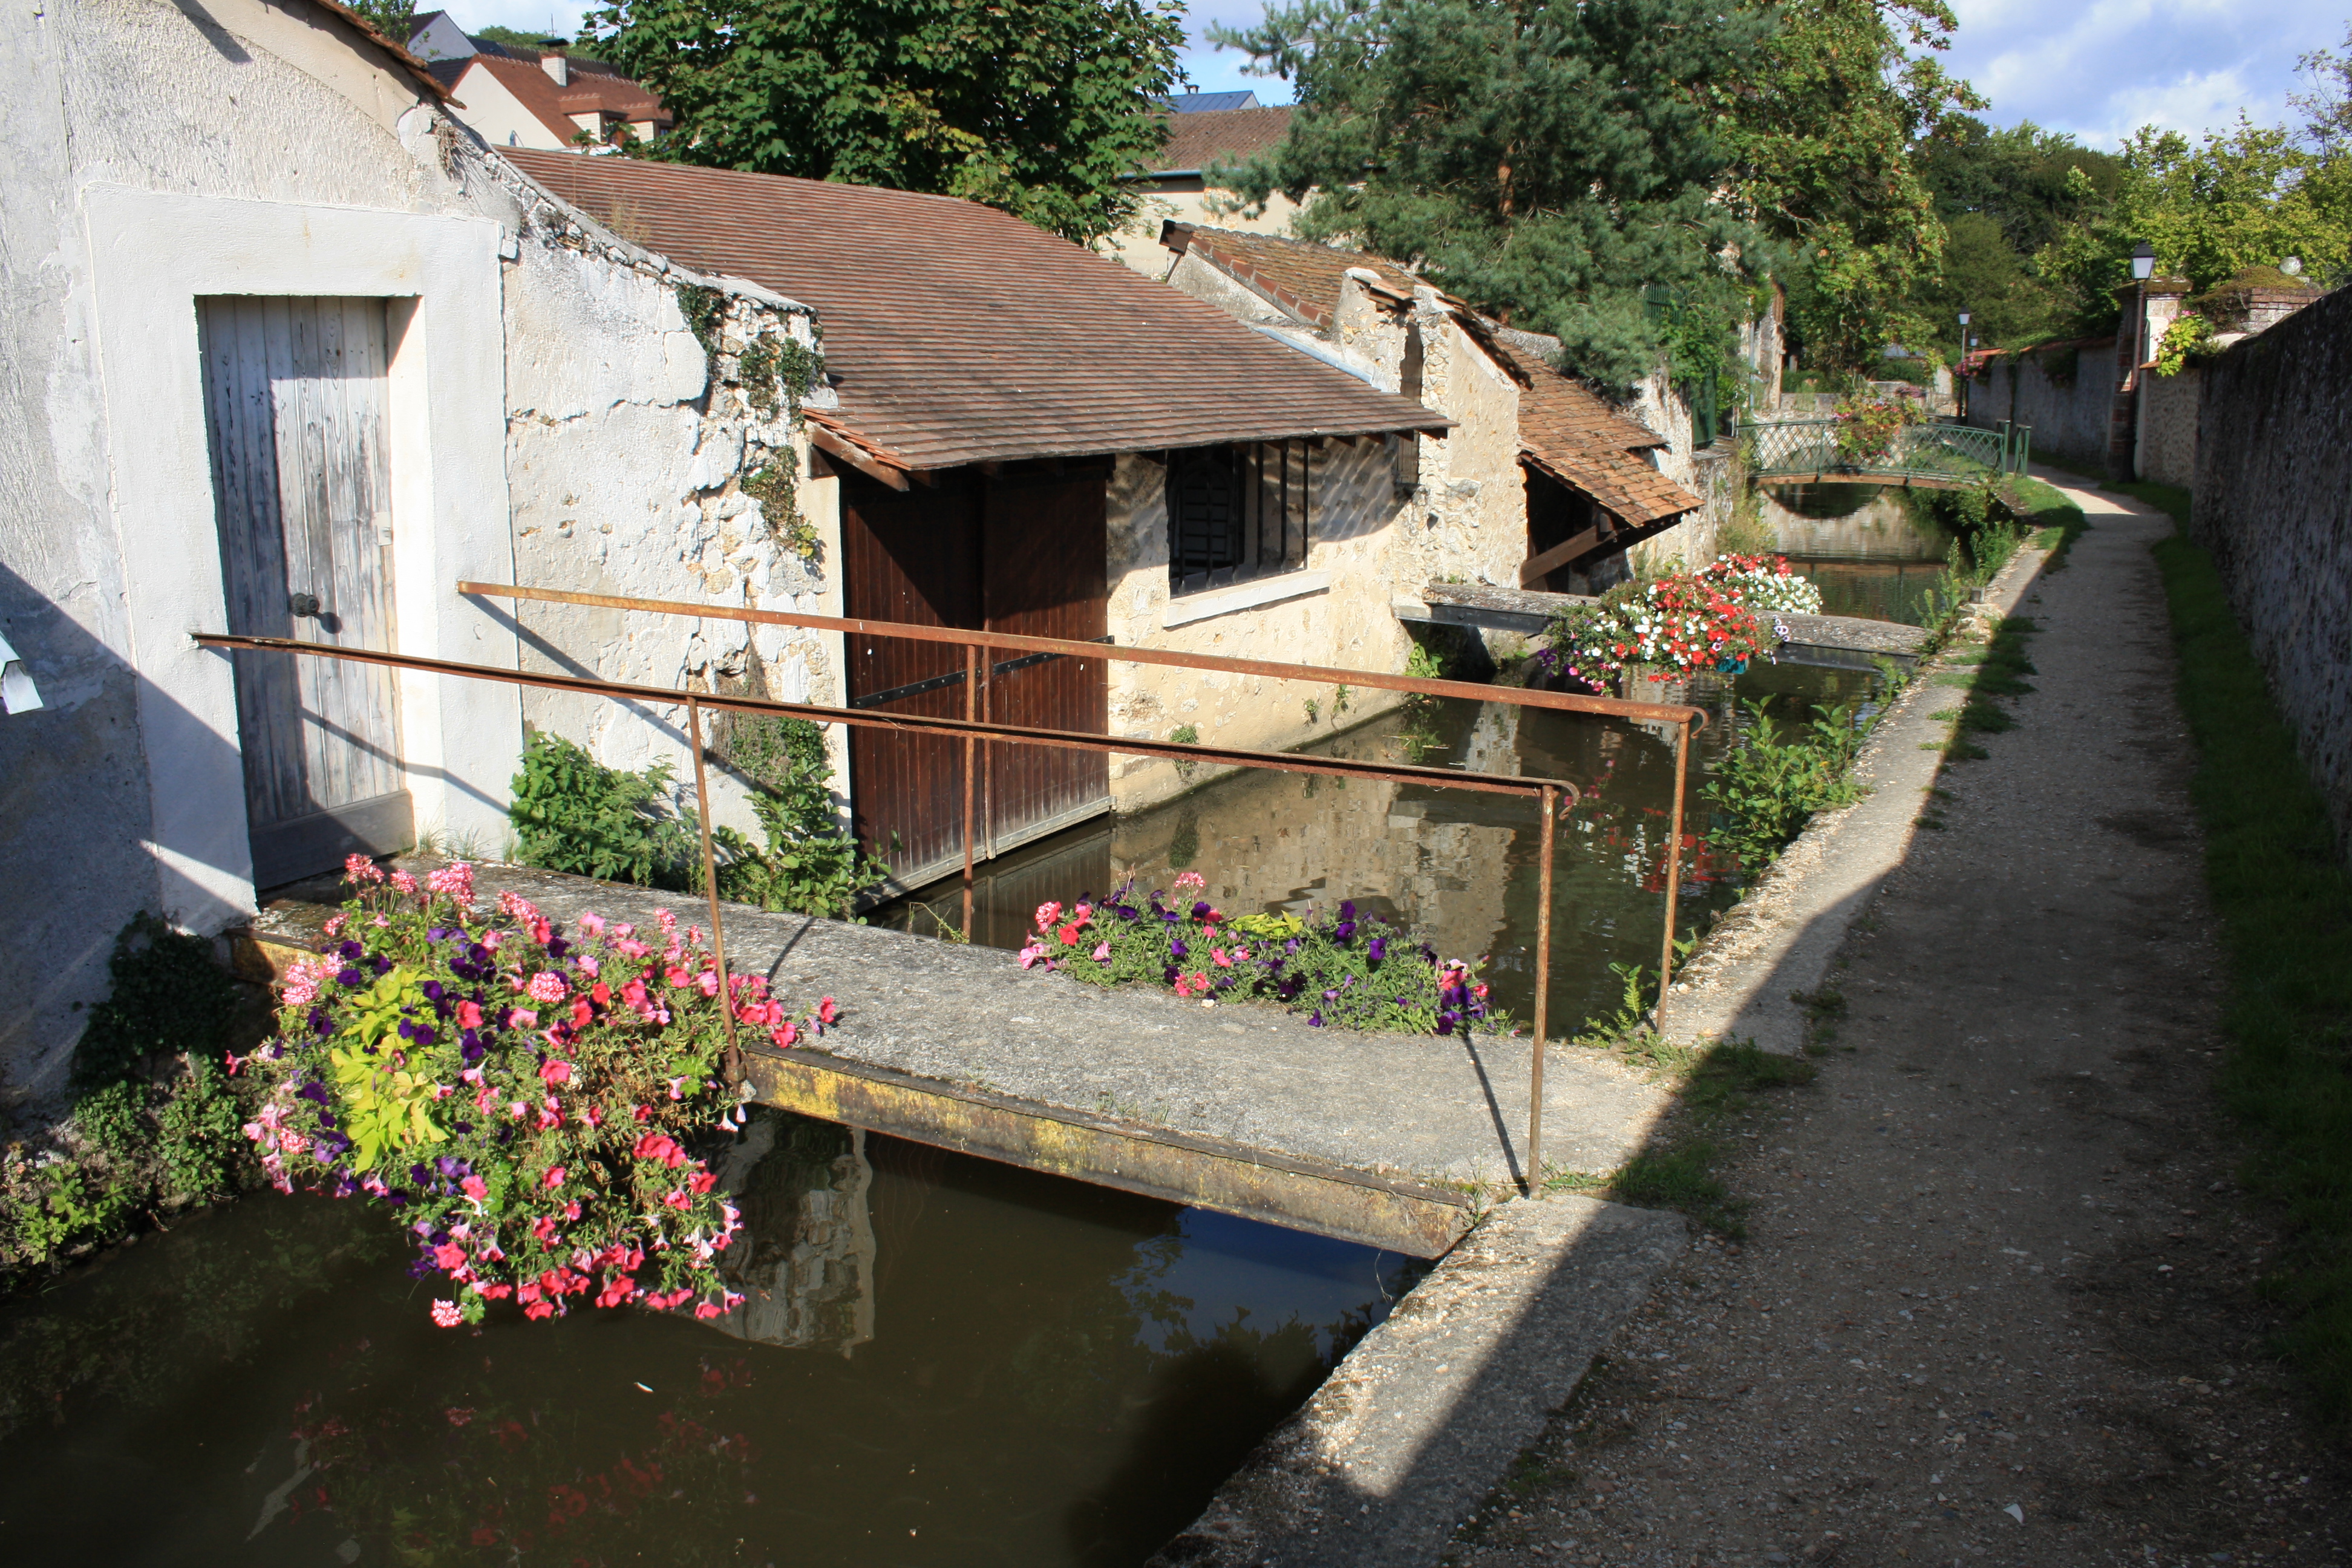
column 1020, row 553
column 294, row 405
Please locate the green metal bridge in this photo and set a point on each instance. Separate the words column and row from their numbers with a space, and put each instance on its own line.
column 1934, row 456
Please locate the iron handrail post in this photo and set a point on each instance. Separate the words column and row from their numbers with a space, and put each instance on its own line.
column 970, row 746
column 1533, row 1176
column 1673, row 874
column 710, row 887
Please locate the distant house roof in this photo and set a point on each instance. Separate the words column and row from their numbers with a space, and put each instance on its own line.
column 957, row 334
column 1210, row 102
column 1564, row 430
column 408, row 63
column 1199, row 140
column 594, row 88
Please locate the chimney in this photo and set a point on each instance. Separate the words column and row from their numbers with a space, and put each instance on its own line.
column 552, row 61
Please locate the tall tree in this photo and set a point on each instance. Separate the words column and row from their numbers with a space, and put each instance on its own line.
column 2003, row 196
column 1824, row 126
column 1549, row 160
column 1040, row 108
column 2248, row 197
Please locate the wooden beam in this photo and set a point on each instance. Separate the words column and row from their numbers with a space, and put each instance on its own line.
column 1536, row 568
column 857, row 456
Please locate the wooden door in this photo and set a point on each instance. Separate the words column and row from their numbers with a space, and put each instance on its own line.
column 294, row 400
column 1043, row 574
column 910, row 556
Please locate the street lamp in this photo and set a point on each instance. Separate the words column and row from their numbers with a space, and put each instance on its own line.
column 2123, row 422
column 1961, row 386
column 2143, row 262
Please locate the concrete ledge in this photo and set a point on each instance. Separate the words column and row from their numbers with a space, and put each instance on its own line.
column 1413, row 1431
column 1201, row 606
column 1780, row 938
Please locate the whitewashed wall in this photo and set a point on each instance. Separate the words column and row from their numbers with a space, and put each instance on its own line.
column 155, row 154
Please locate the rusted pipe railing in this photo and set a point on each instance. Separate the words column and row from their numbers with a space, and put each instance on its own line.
column 1546, row 791
column 1566, row 702
column 1683, row 715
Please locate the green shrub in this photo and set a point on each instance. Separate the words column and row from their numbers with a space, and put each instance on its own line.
column 204, row 1149
column 1770, row 785
column 810, row 866
column 572, row 813
column 168, row 997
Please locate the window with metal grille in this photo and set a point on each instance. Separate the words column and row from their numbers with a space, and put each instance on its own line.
column 1236, row 512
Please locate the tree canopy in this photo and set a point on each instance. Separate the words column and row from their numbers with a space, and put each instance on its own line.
column 1039, row 109
column 1824, row 127
column 1548, row 161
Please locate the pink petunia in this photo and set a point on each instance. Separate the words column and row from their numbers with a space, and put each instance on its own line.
column 554, row 1177
column 1102, row 953
column 524, row 1018
column 827, row 1012
column 555, row 1070
column 474, row 1187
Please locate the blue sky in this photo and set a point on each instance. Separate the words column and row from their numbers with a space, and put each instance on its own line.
column 2096, row 69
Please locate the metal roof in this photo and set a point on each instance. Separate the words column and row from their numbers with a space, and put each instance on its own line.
column 957, row 334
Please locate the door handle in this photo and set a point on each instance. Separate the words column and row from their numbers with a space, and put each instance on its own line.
column 301, row 604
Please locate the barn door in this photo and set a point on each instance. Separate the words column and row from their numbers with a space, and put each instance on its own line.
column 294, row 400
column 1044, row 575
column 911, row 556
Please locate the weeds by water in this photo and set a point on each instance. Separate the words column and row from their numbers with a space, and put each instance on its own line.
column 2284, row 900
column 1773, row 781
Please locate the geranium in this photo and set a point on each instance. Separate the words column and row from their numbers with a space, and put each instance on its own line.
column 545, row 1154
column 1685, row 623
column 1349, row 967
column 1764, row 583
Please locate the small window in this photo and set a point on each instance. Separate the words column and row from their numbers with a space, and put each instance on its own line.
column 1236, row 512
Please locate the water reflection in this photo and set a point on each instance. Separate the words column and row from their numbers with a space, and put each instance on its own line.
column 1873, row 550
column 955, row 1363
column 1461, row 867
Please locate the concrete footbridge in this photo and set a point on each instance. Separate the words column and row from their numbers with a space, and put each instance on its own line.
column 1392, row 1140
column 1933, row 456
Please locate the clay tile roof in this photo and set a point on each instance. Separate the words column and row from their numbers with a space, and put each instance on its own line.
column 415, row 69
column 1198, row 140
column 1564, row 430
column 1567, row 432
column 1300, row 276
column 957, row 334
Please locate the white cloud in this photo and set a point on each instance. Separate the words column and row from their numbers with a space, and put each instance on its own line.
column 2103, row 70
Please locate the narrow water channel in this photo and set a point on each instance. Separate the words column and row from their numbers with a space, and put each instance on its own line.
column 1872, row 549
column 1461, row 867
column 942, row 1361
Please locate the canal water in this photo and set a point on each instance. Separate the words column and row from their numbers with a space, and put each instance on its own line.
column 941, row 1361
column 1874, row 551
column 1461, row 867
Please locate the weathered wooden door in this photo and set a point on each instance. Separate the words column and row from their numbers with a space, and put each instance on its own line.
column 1044, row 575
column 294, row 400
column 911, row 556
column 1015, row 553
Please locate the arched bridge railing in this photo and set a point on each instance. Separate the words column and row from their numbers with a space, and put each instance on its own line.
column 1809, row 451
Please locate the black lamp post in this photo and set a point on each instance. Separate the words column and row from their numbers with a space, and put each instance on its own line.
column 1960, row 384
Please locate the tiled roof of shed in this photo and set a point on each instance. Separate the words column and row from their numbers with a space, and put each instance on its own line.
column 1564, row 430
column 1199, row 138
column 957, row 334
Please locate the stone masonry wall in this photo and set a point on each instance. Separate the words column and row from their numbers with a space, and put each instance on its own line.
column 2273, row 504
column 2167, row 426
column 2069, row 418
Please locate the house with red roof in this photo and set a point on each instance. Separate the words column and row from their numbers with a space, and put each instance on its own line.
column 1206, row 132
column 547, row 97
column 1541, row 485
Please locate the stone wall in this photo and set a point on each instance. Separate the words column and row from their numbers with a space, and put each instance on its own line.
column 2070, row 413
column 2166, row 449
column 2273, row 504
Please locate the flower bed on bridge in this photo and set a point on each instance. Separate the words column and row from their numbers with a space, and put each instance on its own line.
column 528, row 1103
column 1348, row 969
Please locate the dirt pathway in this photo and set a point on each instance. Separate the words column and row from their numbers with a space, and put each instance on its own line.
column 1996, row 1305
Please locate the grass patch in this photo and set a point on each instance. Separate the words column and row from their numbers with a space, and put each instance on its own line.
column 2050, row 521
column 2284, row 901
column 2170, row 500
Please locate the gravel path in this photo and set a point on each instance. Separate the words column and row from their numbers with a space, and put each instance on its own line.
column 1997, row 1301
